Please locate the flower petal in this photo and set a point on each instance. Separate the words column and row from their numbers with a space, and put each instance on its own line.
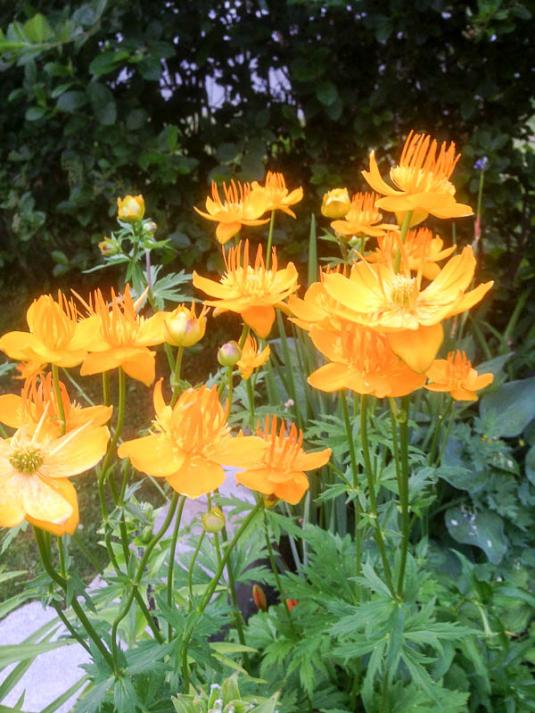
column 153, row 455
column 260, row 319
column 225, row 231
column 11, row 506
column 256, row 479
column 240, row 451
column 330, row 377
column 292, row 490
column 11, row 410
column 42, row 502
column 66, row 490
column 76, row 452
column 375, row 180
column 198, row 476
column 417, row 347
column 141, row 367
column 313, row 460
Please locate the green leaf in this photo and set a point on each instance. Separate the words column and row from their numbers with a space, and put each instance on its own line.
column 13, row 653
column 108, row 62
column 37, row 29
column 508, row 410
column 530, row 465
column 103, row 103
column 71, row 101
column 227, row 647
column 483, row 529
column 34, row 113
column 327, row 93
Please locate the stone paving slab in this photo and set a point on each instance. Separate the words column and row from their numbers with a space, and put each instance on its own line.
column 56, row 671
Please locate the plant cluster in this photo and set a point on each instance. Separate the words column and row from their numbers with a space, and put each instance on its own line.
column 344, row 433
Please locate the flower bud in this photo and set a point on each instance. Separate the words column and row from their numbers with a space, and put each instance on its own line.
column 291, row 603
column 213, row 520
column 259, row 598
column 106, row 247
column 183, row 328
column 270, row 501
column 335, row 203
column 229, row 354
column 150, row 226
column 131, row 209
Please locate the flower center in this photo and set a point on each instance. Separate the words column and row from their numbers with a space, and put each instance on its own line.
column 26, row 460
column 404, row 290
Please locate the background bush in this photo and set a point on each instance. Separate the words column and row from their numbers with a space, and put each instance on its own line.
column 104, row 97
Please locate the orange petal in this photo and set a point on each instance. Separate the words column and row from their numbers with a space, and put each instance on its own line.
column 97, row 415
column 153, row 455
column 67, row 491
column 240, row 451
column 198, row 476
column 76, row 452
column 375, row 180
column 260, row 319
column 292, row 490
column 18, row 345
column 454, row 278
column 311, row 461
column 461, row 394
column 43, row 502
column 471, row 298
column 11, row 412
column 152, row 331
column 225, row 231
column 417, row 347
column 256, row 479
column 141, row 367
column 211, row 287
column 330, row 377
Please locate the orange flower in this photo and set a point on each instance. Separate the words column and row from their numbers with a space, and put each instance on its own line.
column 37, row 398
column 52, row 338
column 361, row 360
column 241, row 206
column 317, row 308
column 394, row 303
column 117, row 336
column 276, row 194
column 183, row 328
column 251, row 358
column 420, row 251
column 131, row 209
column 421, row 180
column 27, row 369
column 456, row 375
column 251, row 291
column 34, row 467
column 362, row 218
column 281, row 470
column 335, row 203
column 190, row 443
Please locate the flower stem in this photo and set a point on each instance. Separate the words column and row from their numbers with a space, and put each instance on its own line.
column 211, row 589
column 402, row 235
column 105, row 388
column 233, row 594
column 137, row 579
column 192, row 565
column 250, row 399
column 171, row 565
column 59, row 399
column 44, row 552
column 270, row 240
column 404, row 490
column 176, row 375
column 355, row 473
column 374, row 514
column 275, row 571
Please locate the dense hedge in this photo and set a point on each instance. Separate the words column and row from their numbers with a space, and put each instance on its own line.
column 100, row 98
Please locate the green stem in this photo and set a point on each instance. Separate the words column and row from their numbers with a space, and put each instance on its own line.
column 402, row 235
column 250, row 399
column 62, row 582
column 438, row 428
column 171, row 564
column 243, row 336
column 404, row 491
column 59, row 400
column 106, row 388
column 270, row 240
column 233, row 593
column 370, row 476
column 355, row 474
column 192, row 565
column 137, row 579
column 289, row 368
column 275, row 571
column 211, row 589
column 176, row 375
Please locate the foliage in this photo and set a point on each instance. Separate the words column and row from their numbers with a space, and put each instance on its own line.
column 105, row 97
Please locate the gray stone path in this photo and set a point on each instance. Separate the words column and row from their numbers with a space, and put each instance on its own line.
column 56, row 671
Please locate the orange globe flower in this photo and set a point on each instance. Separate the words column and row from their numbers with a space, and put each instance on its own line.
column 276, row 194
column 34, row 468
column 362, row 218
column 420, row 251
column 281, row 472
column 252, row 291
column 131, row 209
column 421, row 181
column 183, row 327
column 38, row 401
column 117, row 336
column 190, row 443
column 317, row 308
column 251, row 358
column 361, row 360
column 335, row 203
column 457, row 376
column 52, row 338
column 394, row 303
column 240, row 206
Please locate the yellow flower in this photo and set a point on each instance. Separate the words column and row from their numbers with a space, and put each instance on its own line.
column 251, row 358
column 281, row 471
column 250, row 290
column 361, row 360
column 34, row 467
column 394, row 303
column 117, row 336
column 421, row 181
column 131, row 209
column 420, row 251
column 183, row 328
column 317, row 308
column 335, row 203
column 52, row 338
column 362, row 218
column 191, row 442
column 240, row 206
column 276, row 194
column 457, row 376
column 37, row 401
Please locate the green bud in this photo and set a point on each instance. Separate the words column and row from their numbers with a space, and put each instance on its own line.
column 229, row 354
column 213, row 520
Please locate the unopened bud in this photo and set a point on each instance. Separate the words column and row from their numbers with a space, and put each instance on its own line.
column 183, row 328
column 229, row 354
column 131, row 209
column 336, row 203
column 213, row 520
column 150, row 226
column 107, row 247
column 291, row 603
column 259, row 598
